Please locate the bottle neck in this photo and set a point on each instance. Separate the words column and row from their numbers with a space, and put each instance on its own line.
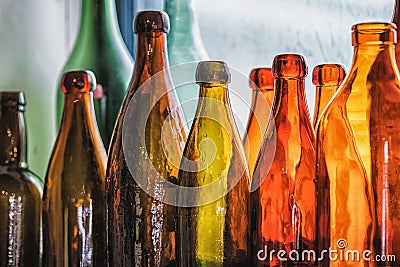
column 13, row 136
column 98, row 18
column 323, row 94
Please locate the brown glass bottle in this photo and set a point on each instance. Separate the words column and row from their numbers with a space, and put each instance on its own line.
column 327, row 78
column 20, row 193
column 283, row 194
column 213, row 214
column 358, row 151
column 262, row 85
column 74, row 205
column 144, row 156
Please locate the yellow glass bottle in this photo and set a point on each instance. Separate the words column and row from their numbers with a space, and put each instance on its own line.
column 327, row 78
column 74, row 204
column 358, row 151
column 213, row 206
column 262, row 85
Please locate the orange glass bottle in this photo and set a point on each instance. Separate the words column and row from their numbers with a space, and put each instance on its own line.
column 358, row 152
column 145, row 154
column 262, row 85
column 283, row 192
column 74, row 205
column 327, row 78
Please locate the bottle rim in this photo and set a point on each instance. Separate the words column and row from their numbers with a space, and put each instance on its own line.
column 289, row 66
column 213, row 72
column 12, row 99
column 374, row 33
column 328, row 74
column 261, row 79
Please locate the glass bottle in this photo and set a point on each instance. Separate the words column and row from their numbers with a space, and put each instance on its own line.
column 327, row 78
column 185, row 49
column 20, row 193
column 213, row 199
column 262, row 85
column 358, row 150
column 99, row 47
column 283, row 191
column 144, row 155
column 74, row 205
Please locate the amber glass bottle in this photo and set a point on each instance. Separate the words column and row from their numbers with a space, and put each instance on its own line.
column 144, row 156
column 213, row 217
column 20, row 193
column 327, row 78
column 262, row 85
column 283, row 194
column 358, row 151
column 74, row 205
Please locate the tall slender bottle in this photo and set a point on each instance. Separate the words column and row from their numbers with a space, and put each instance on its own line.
column 20, row 193
column 74, row 205
column 213, row 214
column 262, row 85
column 283, row 193
column 184, row 46
column 144, row 157
column 327, row 78
column 358, row 151
column 99, row 47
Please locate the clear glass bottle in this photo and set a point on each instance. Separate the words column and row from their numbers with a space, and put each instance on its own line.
column 214, row 216
column 20, row 193
column 327, row 78
column 262, row 85
column 283, row 192
column 74, row 199
column 358, row 151
column 99, row 47
column 144, row 155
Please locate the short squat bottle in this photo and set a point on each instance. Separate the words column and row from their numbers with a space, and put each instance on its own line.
column 283, row 190
column 20, row 193
column 262, row 85
column 74, row 205
column 327, row 78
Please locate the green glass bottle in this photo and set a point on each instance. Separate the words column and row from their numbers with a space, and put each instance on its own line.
column 20, row 193
column 99, row 47
column 184, row 46
column 213, row 199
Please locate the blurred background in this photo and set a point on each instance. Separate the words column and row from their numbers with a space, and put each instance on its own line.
column 36, row 38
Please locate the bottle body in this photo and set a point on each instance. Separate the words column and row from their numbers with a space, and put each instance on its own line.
column 149, row 134
column 20, row 199
column 213, row 220
column 99, row 47
column 74, row 205
column 283, row 190
column 361, row 122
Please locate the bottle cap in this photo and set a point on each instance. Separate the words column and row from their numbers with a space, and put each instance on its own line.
column 151, row 21
column 213, row 72
column 76, row 82
column 374, row 33
column 261, row 79
column 328, row 74
column 289, row 66
column 12, row 99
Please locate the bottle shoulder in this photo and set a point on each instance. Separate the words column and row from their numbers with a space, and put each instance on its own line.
column 20, row 181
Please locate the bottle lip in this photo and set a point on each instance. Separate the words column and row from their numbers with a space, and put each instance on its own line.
column 328, row 74
column 289, row 66
column 151, row 21
column 261, row 79
column 78, row 82
column 374, row 33
column 213, row 72
column 12, row 99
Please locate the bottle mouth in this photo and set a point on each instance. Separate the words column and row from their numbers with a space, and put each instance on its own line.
column 328, row 74
column 213, row 72
column 261, row 79
column 151, row 21
column 289, row 66
column 12, row 99
column 374, row 33
column 78, row 82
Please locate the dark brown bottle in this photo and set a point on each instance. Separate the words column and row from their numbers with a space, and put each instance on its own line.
column 20, row 193
column 74, row 204
column 144, row 155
